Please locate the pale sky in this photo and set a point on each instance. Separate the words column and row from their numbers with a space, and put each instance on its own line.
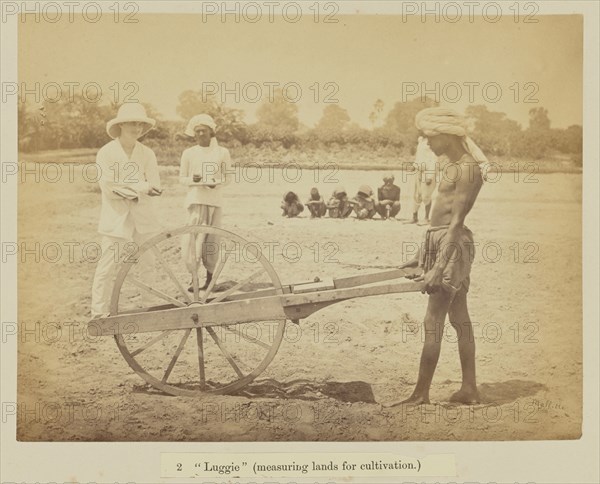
column 365, row 56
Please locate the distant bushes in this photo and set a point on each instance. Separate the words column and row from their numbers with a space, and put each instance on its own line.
column 278, row 135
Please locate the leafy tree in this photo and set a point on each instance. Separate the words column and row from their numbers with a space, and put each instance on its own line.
column 29, row 124
column 538, row 119
column 399, row 126
column 536, row 141
column 229, row 121
column 573, row 140
column 568, row 140
column 492, row 130
column 70, row 122
column 278, row 112
column 162, row 130
column 401, row 118
column 334, row 118
column 195, row 102
column 376, row 114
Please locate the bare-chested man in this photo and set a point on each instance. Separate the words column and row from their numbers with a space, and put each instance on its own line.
column 447, row 251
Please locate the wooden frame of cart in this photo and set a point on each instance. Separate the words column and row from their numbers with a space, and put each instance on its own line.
column 205, row 312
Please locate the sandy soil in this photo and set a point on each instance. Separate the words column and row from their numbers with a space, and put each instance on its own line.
column 331, row 374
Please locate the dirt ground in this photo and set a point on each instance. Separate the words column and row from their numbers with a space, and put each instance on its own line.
column 333, row 373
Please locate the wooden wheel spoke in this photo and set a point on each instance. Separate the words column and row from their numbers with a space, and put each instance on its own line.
column 231, row 290
column 168, row 270
column 215, row 277
column 176, row 355
column 155, row 357
column 195, row 283
column 196, row 286
column 154, row 340
column 221, row 346
column 248, row 338
column 144, row 287
column 200, row 345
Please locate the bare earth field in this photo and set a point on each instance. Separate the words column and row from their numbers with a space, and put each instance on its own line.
column 332, row 373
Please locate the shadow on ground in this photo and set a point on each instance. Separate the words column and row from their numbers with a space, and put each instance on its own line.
column 352, row 391
column 499, row 393
column 509, row 391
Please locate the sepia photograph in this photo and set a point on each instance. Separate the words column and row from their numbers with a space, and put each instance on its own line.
column 249, row 222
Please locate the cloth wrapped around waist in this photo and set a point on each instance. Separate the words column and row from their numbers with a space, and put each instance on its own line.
column 457, row 272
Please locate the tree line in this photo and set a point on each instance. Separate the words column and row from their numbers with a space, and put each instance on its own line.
column 76, row 123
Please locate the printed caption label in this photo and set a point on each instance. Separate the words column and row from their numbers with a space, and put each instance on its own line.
column 287, row 465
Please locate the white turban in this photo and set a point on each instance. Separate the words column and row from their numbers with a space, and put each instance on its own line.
column 433, row 121
column 200, row 119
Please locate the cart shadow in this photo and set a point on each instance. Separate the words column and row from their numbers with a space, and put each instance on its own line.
column 347, row 392
column 499, row 393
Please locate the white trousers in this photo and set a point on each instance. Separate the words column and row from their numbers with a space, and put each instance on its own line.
column 207, row 250
column 113, row 251
column 423, row 194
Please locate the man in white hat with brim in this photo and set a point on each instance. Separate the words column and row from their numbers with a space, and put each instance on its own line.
column 129, row 179
column 203, row 170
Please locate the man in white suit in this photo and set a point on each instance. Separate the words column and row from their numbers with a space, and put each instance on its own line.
column 129, row 179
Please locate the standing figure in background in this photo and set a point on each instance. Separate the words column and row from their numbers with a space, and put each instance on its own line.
column 291, row 205
column 316, row 204
column 129, row 180
column 363, row 203
column 425, row 178
column 338, row 205
column 203, row 170
column 388, row 195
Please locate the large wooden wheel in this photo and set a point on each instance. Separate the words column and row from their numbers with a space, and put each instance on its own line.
column 212, row 358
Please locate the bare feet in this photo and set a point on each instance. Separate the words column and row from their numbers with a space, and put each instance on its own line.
column 466, row 396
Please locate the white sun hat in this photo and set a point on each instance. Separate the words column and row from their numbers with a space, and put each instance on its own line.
column 199, row 119
column 129, row 113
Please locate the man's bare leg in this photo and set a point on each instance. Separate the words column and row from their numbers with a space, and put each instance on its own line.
column 437, row 308
column 460, row 320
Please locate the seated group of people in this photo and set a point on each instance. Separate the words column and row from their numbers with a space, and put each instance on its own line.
column 364, row 204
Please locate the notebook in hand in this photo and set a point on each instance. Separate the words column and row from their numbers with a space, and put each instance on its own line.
column 126, row 192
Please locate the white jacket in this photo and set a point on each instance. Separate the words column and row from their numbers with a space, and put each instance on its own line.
column 119, row 217
column 213, row 164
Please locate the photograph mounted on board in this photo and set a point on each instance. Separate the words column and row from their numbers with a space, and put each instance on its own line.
column 322, row 227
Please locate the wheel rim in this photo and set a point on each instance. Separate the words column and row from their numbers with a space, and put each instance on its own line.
column 165, row 359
